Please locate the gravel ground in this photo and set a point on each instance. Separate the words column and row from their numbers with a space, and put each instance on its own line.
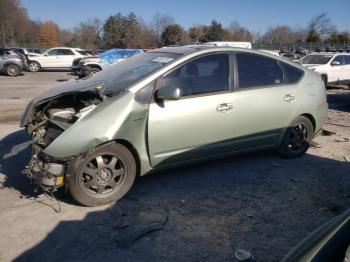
column 257, row 202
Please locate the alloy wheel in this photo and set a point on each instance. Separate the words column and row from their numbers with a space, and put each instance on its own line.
column 33, row 67
column 298, row 138
column 102, row 175
column 12, row 70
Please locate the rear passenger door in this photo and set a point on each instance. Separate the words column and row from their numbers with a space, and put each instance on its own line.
column 337, row 70
column 66, row 57
column 264, row 101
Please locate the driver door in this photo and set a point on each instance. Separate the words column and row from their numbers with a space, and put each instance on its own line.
column 199, row 123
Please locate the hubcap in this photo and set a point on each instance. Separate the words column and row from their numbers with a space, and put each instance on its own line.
column 12, row 70
column 102, row 175
column 298, row 138
column 33, row 67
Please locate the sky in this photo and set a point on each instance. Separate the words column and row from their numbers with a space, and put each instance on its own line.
column 256, row 15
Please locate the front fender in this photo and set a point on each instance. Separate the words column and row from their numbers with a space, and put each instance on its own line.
column 103, row 124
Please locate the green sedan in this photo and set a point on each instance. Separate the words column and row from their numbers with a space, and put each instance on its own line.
column 165, row 108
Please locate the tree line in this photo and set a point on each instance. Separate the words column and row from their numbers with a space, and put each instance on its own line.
column 131, row 31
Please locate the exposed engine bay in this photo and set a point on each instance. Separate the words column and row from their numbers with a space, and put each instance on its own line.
column 47, row 122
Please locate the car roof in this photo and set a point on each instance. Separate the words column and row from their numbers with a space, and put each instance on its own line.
column 188, row 49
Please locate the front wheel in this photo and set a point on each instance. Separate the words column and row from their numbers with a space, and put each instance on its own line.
column 102, row 176
column 296, row 138
column 12, row 70
column 33, row 66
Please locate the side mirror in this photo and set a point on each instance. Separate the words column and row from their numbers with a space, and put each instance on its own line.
column 335, row 63
column 46, row 55
column 168, row 93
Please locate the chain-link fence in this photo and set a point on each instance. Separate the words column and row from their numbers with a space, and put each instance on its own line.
column 309, row 46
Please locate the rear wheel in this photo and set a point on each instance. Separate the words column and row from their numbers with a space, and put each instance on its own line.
column 104, row 175
column 296, row 138
column 33, row 66
column 12, row 70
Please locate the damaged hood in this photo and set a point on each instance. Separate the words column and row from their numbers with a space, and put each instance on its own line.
column 103, row 86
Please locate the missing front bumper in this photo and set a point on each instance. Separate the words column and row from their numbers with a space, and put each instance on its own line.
column 48, row 176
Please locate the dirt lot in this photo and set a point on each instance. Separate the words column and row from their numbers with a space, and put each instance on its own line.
column 257, row 202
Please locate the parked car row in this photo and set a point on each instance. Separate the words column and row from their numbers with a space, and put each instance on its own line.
column 80, row 62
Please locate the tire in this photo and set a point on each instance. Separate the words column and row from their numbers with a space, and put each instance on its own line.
column 12, row 70
column 34, row 66
column 102, row 175
column 325, row 80
column 296, row 138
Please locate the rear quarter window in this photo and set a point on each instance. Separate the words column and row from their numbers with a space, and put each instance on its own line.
column 293, row 73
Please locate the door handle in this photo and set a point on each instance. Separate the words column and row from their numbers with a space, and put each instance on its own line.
column 288, row 98
column 225, row 107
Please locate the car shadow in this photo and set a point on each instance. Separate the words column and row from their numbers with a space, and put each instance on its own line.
column 339, row 101
column 213, row 208
column 12, row 163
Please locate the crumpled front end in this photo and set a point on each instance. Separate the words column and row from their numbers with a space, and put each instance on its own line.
column 47, row 122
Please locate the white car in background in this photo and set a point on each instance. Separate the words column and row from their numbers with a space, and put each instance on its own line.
column 55, row 58
column 334, row 68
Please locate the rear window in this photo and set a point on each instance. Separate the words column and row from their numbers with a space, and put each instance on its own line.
column 293, row 74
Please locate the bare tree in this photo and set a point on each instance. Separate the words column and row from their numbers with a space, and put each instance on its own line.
column 160, row 22
column 239, row 33
column 319, row 27
column 280, row 34
column 87, row 34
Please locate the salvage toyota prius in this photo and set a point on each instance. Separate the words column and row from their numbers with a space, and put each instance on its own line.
column 169, row 107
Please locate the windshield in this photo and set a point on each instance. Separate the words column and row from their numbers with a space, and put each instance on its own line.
column 316, row 59
column 82, row 52
column 127, row 72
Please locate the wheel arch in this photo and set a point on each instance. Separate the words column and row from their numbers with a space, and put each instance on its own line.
column 11, row 63
column 94, row 66
column 130, row 147
column 311, row 118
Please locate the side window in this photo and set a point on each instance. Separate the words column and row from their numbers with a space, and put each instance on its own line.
column 2, row 52
column 293, row 74
column 347, row 60
column 257, row 70
column 65, row 52
column 202, row 75
column 53, row 52
column 340, row 59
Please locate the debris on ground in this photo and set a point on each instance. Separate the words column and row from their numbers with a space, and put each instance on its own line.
column 295, row 180
column 327, row 133
column 244, row 255
column 345, row 139
column 277, row 164
column 144, row 222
